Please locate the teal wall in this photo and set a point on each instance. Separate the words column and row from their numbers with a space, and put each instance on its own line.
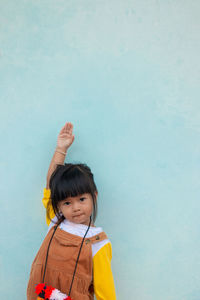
column 126, row 74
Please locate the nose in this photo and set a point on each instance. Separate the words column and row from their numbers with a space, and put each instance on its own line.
column 76, row 206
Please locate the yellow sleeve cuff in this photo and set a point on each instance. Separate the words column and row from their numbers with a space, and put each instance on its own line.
column 104, row 286
column 46, row 200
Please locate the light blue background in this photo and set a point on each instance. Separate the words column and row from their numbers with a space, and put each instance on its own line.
column 126, row 74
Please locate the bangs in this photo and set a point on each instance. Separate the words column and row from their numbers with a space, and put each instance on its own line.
column 70, row 182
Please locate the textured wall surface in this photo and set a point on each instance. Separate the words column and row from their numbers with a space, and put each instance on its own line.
column 126, row 74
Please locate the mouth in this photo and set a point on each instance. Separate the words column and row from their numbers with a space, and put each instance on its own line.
column 77, row 216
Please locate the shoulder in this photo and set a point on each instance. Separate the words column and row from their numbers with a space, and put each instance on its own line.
column 101, row 247
column 52, row 223
column 98, row 233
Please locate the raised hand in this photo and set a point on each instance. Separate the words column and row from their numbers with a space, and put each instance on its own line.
column 65, row 137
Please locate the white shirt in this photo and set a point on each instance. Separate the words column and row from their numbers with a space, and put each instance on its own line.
column 80, row 229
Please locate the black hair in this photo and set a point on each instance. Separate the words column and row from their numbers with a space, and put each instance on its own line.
column 70, row 180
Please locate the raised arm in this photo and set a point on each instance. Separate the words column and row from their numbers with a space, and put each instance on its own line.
column 64, row 141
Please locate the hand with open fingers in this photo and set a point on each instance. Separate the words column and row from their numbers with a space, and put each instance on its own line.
column 65, row 137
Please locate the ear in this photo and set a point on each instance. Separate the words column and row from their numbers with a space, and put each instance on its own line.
column 59, row 210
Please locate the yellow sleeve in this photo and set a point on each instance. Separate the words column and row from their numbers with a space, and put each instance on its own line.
column 104, row 287
column 46, row 200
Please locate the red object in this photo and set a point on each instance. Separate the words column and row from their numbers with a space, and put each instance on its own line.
column 47, row 292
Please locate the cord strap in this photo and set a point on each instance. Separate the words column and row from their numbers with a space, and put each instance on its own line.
column 76, row 259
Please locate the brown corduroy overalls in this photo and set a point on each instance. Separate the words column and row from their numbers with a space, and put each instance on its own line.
column 61, row 262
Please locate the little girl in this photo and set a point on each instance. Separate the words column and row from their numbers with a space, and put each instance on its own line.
column 75, row 256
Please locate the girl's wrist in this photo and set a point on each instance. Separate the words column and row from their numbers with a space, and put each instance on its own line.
column 61, row 150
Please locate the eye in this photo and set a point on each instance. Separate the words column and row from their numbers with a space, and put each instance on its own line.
column 82, row 199
column 67, row 203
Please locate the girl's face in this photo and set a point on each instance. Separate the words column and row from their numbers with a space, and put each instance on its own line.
column 77, row 209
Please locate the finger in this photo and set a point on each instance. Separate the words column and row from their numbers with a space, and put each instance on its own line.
column 66, row 126
column 69, row 128
column 62, row 130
